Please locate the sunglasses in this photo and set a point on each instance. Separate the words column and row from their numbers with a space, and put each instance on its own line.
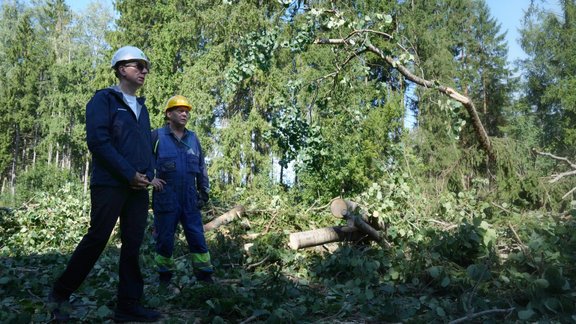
column 138, row 65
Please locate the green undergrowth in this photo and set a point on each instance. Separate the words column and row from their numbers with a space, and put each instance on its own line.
column 466, row 260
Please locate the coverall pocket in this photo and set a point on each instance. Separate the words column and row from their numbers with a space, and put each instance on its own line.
column 167, row 164
column 164, row 201
column 193, row 163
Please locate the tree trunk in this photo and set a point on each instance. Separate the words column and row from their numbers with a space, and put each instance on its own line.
column 86, row 176
column 14, row 159
column 320, row 236
column 50, row 154
column 57, row 159
column 225, row 218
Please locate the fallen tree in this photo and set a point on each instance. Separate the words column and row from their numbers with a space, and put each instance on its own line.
column 357, row 44
column 557, row 176
column 225, row 218
column 357, row 228
column 321, row 236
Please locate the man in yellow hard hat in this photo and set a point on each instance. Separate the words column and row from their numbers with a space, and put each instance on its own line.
column 118, row 136
column 181, row 188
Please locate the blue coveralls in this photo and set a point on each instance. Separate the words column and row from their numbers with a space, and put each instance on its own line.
column 179, row 162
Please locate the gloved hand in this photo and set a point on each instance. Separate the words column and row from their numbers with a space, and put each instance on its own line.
column 203, row 198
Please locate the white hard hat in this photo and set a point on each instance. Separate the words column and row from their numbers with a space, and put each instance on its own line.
column 128, row 53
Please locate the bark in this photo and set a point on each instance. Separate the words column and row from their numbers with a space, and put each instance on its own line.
column 360, row 224
column 321, row 236
column 14, row 160
column 464, row 100
column 225, row 218
column 346, row 209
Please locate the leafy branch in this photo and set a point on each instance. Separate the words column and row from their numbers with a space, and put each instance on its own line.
column 396, row 64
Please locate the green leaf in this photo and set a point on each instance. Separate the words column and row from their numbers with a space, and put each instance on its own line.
column 525, row 314
column 541, row 283
column 103, row 311
column 553, row 304
column 387, row 19
column 435, row 271
column 445, row 282
column 440, row 311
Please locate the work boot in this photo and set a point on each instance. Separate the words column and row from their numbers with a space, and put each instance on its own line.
column 204, row 276
column 134, row 312
column 60, row 308
column 164, row 278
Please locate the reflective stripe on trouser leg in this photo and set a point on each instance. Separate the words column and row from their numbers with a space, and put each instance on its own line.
column 201, row 262
column 163, row 264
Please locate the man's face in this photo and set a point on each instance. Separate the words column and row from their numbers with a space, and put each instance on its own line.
column 178, row 116
column 135, row 71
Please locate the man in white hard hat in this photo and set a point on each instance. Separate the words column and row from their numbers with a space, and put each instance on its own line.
column 118, row 136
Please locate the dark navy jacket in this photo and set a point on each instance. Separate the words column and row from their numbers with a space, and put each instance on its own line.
column 120, row 144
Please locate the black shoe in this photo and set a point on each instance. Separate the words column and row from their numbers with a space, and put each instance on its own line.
column 204, row 276
column 164, row 278
column 59, row 307
column 135, row 313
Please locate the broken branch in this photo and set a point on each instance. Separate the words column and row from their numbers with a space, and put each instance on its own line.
column 450, row 92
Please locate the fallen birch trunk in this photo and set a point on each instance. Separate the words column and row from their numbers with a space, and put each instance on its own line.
column 325, row 235
column 346, row 209
column 225, row 218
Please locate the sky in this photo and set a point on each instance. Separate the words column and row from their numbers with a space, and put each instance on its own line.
column 508, row 12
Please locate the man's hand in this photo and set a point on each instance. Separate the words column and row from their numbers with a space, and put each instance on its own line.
column 203, row 198
column 158, row 184
column 140, row 182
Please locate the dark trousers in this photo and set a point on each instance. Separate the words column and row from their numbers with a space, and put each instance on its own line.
column 107, row 205
column 166, row 225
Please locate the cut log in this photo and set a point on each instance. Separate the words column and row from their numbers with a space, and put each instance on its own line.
column 225, row 218
column 341, row 208
column 320, row 236
column 346, row 209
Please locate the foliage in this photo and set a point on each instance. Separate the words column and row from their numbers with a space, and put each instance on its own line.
column 466, row 259
column 549, row 75
column 48, row 222
column 43, row 179
column 469, row 239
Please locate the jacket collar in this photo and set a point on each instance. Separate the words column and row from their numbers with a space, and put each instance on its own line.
column 115, row 89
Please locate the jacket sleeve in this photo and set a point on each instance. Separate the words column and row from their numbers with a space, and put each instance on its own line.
column 99, row 137
column 154, row 142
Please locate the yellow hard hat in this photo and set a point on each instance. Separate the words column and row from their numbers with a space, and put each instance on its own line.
column 177, row 101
